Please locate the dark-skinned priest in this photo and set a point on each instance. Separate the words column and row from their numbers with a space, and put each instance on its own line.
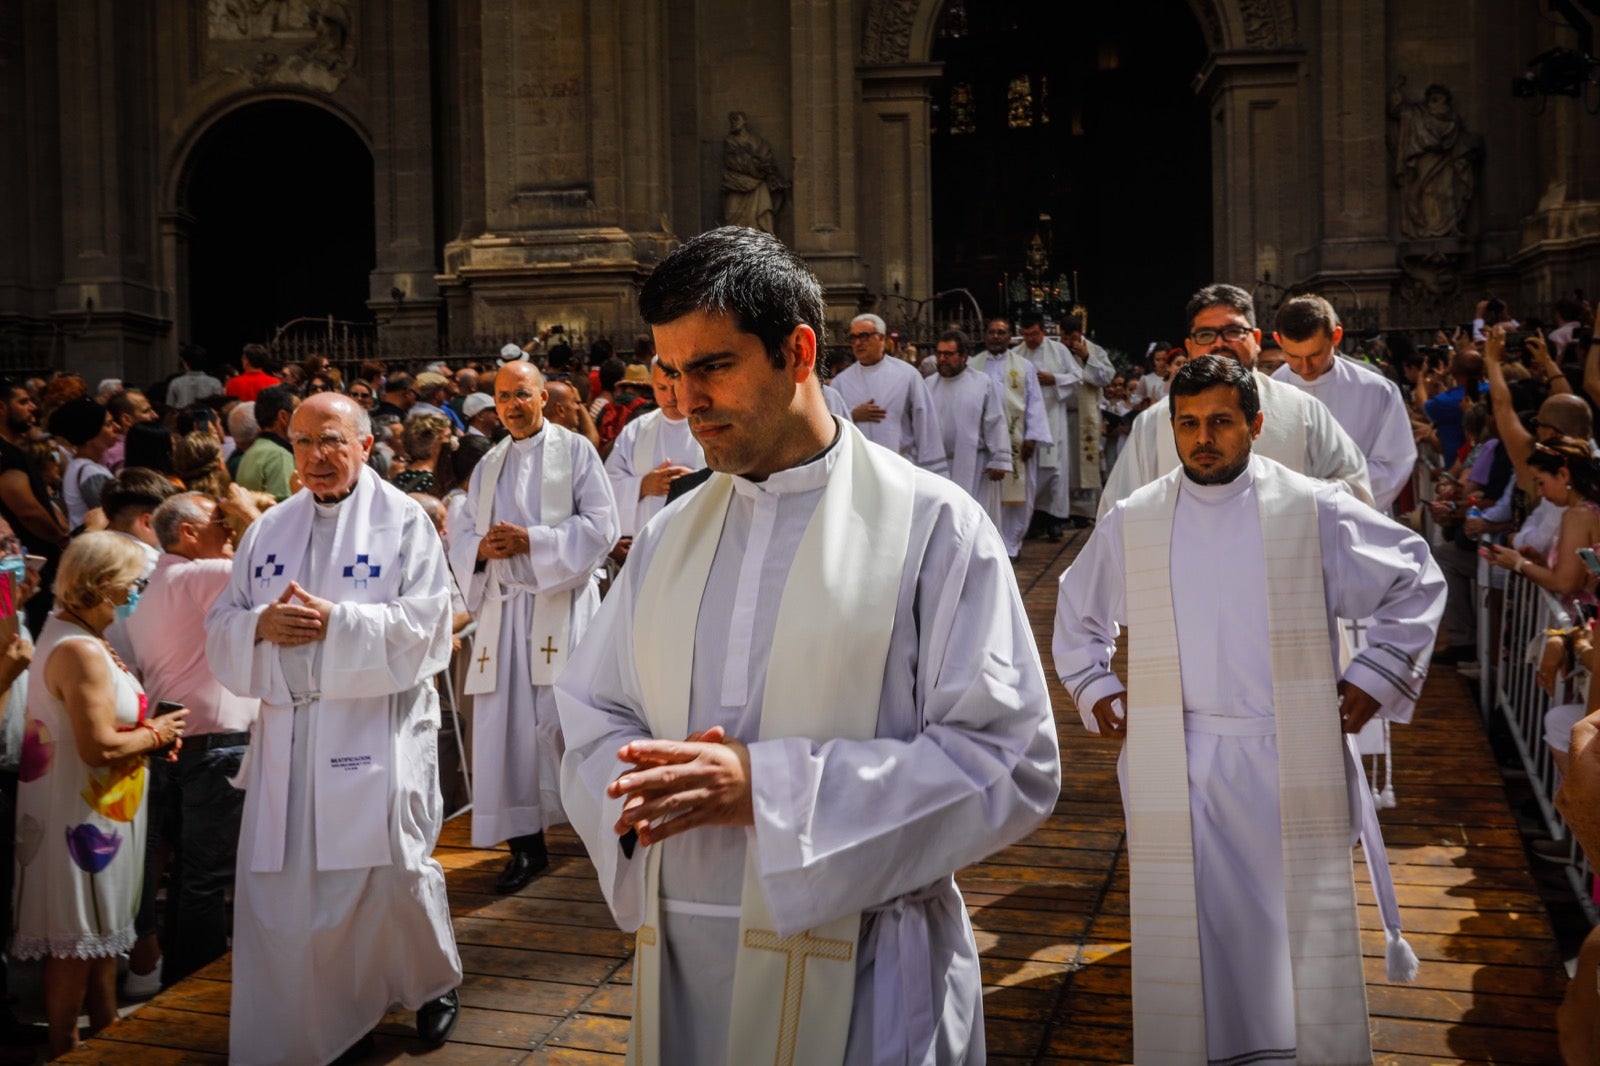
column 538, row 518
column 337, row 618
column 1241, row 786
column 811, row 696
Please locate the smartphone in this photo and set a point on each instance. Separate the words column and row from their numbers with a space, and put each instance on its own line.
column 34, row 562
column 1590, row 560
column 1517, row 340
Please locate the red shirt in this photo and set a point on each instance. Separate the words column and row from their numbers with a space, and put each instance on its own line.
column 246, row 385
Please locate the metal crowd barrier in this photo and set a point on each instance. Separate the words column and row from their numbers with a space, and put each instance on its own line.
column 1510, row 686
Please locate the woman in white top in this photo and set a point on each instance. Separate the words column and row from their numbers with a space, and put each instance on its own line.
column 81, row 815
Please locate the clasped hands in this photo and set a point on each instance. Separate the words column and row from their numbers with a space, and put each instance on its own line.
column 676, row 785
column 503, row 541
column 294, row 618
column 1356, row 708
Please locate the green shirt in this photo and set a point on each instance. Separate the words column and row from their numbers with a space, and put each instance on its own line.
column 266, row 467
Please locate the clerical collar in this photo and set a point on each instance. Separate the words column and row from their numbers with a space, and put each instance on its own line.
column 531, row 440
column 802, row 477
column 1225, row 491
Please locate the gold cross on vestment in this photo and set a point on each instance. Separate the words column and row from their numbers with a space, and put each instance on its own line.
column 798, row 948
column 549, row 649
column 483, row 660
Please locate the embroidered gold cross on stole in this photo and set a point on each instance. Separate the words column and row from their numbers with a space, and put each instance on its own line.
column 483, row 660
column 549, row 648
column 798, row 948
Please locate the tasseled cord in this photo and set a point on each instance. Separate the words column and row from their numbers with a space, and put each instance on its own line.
column 1399, row 960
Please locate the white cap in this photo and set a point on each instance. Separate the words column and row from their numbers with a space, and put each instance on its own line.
column 513, row 351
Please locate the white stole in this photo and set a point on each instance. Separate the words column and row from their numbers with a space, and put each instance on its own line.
column 846, row 571
column 1014, row 489
column 352, row 739
column 552, row 611
column 644, row 443
column 1324, row 940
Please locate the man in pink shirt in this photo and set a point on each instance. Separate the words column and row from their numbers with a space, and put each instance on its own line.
column 198, row 807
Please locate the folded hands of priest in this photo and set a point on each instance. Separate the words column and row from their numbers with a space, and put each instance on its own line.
column 674, row 786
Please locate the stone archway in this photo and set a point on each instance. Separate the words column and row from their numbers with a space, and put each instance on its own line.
column 269, row 216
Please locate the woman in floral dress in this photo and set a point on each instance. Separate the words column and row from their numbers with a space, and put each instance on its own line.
column 80, row 807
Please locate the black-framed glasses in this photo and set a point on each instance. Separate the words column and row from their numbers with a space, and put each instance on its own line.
column 1231, row 334
column 854, row 337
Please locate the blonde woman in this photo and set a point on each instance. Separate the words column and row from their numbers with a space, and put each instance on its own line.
column 80, row 805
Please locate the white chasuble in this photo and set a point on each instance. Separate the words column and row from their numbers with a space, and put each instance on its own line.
column 1324, row 939
column 847, row 570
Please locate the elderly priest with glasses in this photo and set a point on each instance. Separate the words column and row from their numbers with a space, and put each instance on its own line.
column 337, row 619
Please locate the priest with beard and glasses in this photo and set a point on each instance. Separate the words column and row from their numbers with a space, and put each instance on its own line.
column 1241, row 786
column 811, row 696
column 337, row 619
column 972, row 423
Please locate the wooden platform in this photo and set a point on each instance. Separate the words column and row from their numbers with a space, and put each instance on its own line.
column 548, row 973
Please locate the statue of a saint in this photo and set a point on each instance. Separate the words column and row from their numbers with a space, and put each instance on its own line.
column 1434, row 163
column 752, row 187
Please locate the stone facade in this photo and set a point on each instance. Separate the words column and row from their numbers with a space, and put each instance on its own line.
column 534, row 158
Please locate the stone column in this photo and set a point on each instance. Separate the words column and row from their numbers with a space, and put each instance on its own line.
column 403, row 295
column 1350, row 172
column 824, row 194
column 574, row 167
column 107, row 302
column 1259, row 163
column 896, row 186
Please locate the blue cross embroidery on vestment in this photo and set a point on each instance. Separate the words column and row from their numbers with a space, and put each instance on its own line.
column 277, row 569
column 361, row 570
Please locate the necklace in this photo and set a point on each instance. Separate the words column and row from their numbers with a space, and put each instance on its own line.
column 69, row 613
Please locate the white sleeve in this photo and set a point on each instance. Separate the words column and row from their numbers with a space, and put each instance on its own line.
column 625, row 479
column 1330, row 453
column 244, row 666
column 565, row 556
column 1091, row 608
column 1393, row 458
column 1375, row 568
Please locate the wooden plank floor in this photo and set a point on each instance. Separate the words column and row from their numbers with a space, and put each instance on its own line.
column 548, row 974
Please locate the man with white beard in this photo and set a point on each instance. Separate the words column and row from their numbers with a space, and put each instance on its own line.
column 1026, row 424
column 972, row 422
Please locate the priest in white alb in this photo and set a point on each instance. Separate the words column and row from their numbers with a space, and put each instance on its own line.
column 1367, row 405
column 651, row 452
column 1026, row 423
column 1299, row 430
column 886, row 398
column 337, row 619
column 1070, row 381
column 1240, row 781
column 539, row 517
column 810, row 698
column 972, row 422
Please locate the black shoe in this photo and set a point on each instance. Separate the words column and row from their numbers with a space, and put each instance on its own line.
column 1015, row 559
column 436, row 1019
column 357, row 1051
column 528, row 860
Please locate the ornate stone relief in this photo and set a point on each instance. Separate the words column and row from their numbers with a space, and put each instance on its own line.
column 887, row 37
column 301, row 42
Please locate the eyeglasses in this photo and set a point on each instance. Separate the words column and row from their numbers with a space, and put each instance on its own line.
column 1231, row 334
column 856, row 338
column 138, row 585
column 521, row 396
column 354, row 395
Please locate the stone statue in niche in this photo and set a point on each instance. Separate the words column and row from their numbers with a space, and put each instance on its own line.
column 753, row 189
column 1435, row 163
column 310, row 42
